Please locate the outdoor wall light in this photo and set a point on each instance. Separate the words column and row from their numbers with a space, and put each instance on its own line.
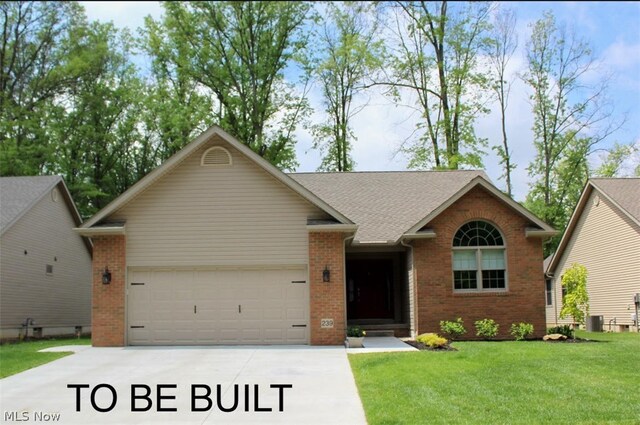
column 326, row 274
column 106, row 276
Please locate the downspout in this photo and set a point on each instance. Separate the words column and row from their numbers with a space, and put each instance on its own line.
column 344, row 276
column 412, row 330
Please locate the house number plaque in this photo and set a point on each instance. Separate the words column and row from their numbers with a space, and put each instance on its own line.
column 326, row 323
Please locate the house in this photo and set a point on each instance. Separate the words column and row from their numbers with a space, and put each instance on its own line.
column 603, row 235
column 217, row 246
column 45, row 266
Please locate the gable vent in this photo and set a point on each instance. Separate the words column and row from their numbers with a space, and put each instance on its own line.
column 216, row 156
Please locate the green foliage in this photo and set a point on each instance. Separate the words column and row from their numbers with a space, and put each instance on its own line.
column 569, row 120
column 432, row 340
column 453, row 329
column 438, row 46
column 238, row 52
column 562, row 330
column 521, row 331
column 486, row 328
column 355, row 331
column 575, row 303
column 347, row 53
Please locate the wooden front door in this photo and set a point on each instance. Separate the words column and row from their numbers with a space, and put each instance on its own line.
column 370, row 289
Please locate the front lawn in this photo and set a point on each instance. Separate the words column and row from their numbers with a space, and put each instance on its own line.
column 531, row 382
column 20, row 356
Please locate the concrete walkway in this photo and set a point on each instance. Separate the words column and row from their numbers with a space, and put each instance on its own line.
column 381, row 344
column 322, row 389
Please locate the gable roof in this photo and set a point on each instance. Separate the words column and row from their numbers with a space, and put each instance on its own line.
column 387, row 206
column 19, row 194
column 184, row 153
column 623, row 193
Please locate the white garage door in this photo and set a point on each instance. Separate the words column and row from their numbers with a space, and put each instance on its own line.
column 196, row 307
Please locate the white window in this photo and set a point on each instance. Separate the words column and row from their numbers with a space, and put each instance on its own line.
column 479, row 258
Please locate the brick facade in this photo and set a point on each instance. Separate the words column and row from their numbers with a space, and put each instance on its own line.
column 327, row 299
column 108, row 301
column 524, row 299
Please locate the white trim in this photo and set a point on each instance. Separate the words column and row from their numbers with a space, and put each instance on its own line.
column 97, row 231
column 538, row 233
column 425, row 234
column 480, row 181
column 332, row 227
column 181, row 155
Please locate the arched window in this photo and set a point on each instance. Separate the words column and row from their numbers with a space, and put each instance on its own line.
column 479, row 258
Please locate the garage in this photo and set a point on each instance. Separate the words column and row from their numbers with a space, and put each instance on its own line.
column 208, row 307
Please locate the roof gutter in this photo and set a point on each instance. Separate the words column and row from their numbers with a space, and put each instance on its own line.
column 100, row 231
column 539, row 233
column 332, row 228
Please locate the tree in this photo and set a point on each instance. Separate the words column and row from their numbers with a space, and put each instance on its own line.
column 570, row 119
column 95, row 123
column 35, row 67
column 504, row 42
column 350, row 53
column 239, row 51
column 612, row 164
column 177, row 107
column 575, row 302
column 436, row 59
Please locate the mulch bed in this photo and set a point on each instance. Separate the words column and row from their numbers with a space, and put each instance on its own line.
column 421, row 346
column 571, row 340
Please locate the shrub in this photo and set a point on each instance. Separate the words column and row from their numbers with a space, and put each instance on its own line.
column 432, row 340
column 355, row 331
column 486, row 328
column 563, row 330
column 453, row 329
column 521, row 331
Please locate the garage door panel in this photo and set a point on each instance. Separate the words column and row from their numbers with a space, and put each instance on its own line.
column 271, row 303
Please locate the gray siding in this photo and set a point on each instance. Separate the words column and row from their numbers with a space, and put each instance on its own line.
column 211, row 216
column 60, row 299
column 607, row 243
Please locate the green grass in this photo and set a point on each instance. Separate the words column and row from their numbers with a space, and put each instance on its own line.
column 509, row 382
column 20, row 356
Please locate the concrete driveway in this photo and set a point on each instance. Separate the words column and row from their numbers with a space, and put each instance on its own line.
column 311, row 385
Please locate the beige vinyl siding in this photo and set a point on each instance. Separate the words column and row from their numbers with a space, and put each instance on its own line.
column 62, row 299
column 412, row 296
column 607, row 243
column 211, row 216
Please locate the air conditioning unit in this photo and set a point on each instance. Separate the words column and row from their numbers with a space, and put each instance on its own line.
column 595, row 323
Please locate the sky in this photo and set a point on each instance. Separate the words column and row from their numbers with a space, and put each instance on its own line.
column 611, row 28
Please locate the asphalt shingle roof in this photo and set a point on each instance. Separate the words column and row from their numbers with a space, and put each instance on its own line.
column 624, row 191
column 385, row 205
column 17, row 194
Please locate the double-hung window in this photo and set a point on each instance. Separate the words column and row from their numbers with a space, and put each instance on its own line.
column 479, row 260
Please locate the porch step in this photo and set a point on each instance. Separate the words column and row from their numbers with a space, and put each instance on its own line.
column 381, row 333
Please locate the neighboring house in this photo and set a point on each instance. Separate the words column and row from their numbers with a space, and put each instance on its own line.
column 45, row 266
column 217, row 246
column 603, row 235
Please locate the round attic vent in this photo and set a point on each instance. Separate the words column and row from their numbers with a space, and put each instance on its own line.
column 596, row 200
column 54, row 195
column 216, row 156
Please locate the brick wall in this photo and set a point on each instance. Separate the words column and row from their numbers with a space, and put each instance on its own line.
column 107, row 313
column 524, row 300
column 327, row 300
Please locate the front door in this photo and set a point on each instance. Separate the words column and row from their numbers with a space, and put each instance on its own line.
column 369, row 289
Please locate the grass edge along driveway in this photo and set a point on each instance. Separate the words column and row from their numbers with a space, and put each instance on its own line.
column 508, row 382
column 16, row 357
